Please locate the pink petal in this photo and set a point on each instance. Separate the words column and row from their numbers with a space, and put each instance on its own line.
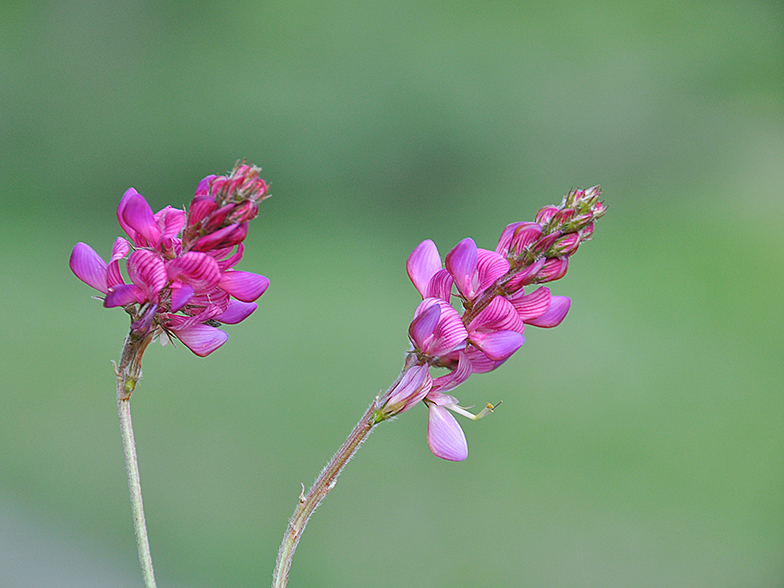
column 524, row 236
column 236, row 312
column 444, row 435
column 525, row 276
column 490, row 266
column 180, row 296
column 88, row 266
column 195, row 268
column 170, row 221
column 201, row 339
column 461, row 263
column 137, row 215
column 499, row 315
column 124, row 294
column 119, row 249
column 559, row 306
column 425, row 322
column 411, row 389
column 454, row 378
column 442, row 338
column 147, row 270
column 230, row 262
column 553, row 269
column 499, row 345
column 225, row 237
column 531, row 306
column 243, row 286
column 422, row 264
column 440, row 285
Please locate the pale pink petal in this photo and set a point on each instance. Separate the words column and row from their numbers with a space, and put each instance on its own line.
column 236, row 312
column 201, row 339
column 422, row 264
column 88, row 266
column 461, row 262
column 244, row 286
column 559, row 306
column 411, row 389
column 444, row 435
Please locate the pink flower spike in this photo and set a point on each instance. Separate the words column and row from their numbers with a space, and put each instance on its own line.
column 559, row 306
column 134, row 212
column 201, row 339
column 461, row 263
column 422, row 265
column 236, row 312
column 444, row 435
column 244, row 286
column 88, row 266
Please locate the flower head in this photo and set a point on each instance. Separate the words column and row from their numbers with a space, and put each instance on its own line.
column 488, row 328
column 180, row 270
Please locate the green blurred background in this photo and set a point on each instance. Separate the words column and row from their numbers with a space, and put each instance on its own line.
column 640, row 444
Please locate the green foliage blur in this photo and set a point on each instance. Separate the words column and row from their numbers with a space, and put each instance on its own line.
column 640, row 444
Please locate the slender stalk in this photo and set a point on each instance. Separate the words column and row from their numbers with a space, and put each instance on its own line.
column 321, row 487
column 128, row 373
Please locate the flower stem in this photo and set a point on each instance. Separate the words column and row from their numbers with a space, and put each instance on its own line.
column 128, row 373
column 321, row 487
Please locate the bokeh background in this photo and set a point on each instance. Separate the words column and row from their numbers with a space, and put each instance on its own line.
column 640, row 444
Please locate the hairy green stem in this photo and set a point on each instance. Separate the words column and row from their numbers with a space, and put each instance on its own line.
column 128, row 373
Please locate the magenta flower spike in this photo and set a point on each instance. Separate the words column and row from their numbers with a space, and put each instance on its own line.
column 182, row 285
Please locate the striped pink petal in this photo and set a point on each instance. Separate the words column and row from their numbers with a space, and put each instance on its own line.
column 195, row 268
column 559, row 306
column 531, row 306
column 147, row 270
